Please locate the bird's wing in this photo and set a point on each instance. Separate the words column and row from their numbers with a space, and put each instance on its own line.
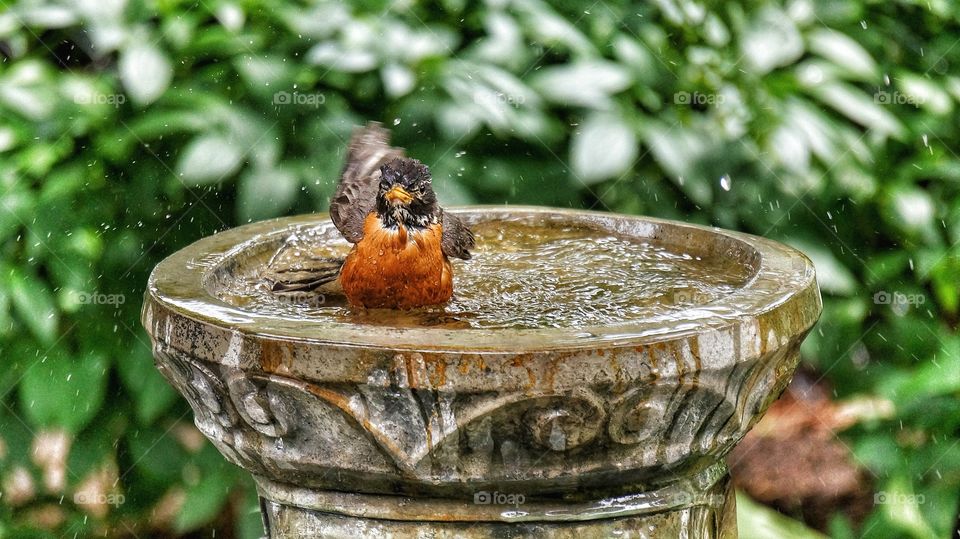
column 294, row 268
column 356, row 195
column 306, row 276
column 457, row 239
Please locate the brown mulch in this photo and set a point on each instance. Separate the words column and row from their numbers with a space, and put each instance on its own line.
column 794, row 461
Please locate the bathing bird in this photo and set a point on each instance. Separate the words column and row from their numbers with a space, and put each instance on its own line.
column 402, row 239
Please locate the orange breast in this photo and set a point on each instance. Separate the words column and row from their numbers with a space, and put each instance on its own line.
column 397, row 269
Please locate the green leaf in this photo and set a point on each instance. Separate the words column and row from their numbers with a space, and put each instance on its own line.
column 27, row 88
column 604, row 147
column 398, row 80
column 771, row 40
column 249, row 523
column 209, row 159
column 677, row 151
column 265, row 192
column 47, row 16
column 548, row 27
column 755, row 521
column 151, row 393
column 145, row 71
column 34, row 305
column 335, row 57
column 268, row 72
column 16, row 204
column 902, row 507
column 62, row 391
column 843, row 51
column 635, row 56
column 939, row 375
column 926, row 93
column 832, row 276
column 587, row 83
column 206, row 499
column 317, row 21
column 912, row 211
column 859, row 107
column 156, row 455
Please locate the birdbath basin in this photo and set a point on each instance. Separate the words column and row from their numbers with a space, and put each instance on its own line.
column 587, row 379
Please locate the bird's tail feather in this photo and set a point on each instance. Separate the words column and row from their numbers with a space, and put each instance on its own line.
column 304, row 275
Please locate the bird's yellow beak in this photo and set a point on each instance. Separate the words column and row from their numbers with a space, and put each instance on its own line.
column 398, row 194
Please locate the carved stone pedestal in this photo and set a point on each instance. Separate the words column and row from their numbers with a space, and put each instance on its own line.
column 355, row 428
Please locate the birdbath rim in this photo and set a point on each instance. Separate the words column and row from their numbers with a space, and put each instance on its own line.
column 781, row 297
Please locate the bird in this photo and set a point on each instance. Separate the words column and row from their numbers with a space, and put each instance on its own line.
column 402, row 239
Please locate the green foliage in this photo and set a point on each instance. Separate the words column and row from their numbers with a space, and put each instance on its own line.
column 131, row 128
column 755, row 521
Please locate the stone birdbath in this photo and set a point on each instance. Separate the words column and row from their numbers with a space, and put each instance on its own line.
column 587, row 379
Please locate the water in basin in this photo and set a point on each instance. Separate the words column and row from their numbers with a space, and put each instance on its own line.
column 522, row 275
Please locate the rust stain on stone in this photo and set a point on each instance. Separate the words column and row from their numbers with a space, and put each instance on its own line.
column 413, row 377
column 647, row 351
column 470, row 361
column 423, row 370
column 619, row 376
column 367, row 361
column 436, row 367
column 550, row 373
column 271, row 355
column 762, row 333
column 520, row 361
column 695, row 350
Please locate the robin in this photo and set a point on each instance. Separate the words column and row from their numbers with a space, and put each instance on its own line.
column 402, row 239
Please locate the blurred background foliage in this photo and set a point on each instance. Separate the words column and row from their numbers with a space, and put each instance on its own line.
column 131, row 128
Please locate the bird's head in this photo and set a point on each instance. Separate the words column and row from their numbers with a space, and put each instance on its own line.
column 406, row 194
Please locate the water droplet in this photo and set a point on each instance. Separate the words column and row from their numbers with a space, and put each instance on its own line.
column 725, row 182
column 926, row 142
column 886, row 79
column 396, row 121
column 863, row 24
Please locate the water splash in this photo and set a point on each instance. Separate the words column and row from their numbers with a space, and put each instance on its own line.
column 524, row 276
